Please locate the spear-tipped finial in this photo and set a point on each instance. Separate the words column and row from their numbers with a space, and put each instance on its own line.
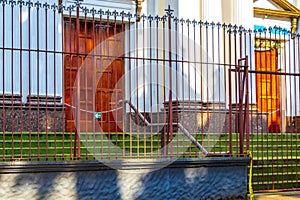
column 78, row 2
column 169, row 11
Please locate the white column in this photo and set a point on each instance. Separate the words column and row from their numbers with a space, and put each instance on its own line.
column 45, row 68
column 206, row 51
column 212, row 52
column 139, row 77
column 17, row 63
column 157, row 7
column 189, row 9
column 211, row 10
column 11, row 58
column 240, row 13
column 187, row 87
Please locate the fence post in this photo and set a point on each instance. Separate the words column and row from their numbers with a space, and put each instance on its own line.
column 169, row 13
column 77, row 134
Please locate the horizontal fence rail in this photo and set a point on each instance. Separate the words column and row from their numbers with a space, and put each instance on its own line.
column 91, row 84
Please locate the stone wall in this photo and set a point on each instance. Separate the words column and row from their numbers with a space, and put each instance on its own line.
column 197, row 117
column 39, row 113
column 206, row 178
column 293, row 124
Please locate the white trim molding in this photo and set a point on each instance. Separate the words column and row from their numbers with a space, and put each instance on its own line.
column 118, row 5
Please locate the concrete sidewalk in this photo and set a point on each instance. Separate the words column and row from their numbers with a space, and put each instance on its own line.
column 278, row 196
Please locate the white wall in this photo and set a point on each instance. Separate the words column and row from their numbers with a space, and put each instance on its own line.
column 104, row 5
column 26, row 70
column 38, row 70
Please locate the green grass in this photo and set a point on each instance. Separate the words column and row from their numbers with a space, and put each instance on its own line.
column 275, row 161
column 275, row 156
column 60, row 146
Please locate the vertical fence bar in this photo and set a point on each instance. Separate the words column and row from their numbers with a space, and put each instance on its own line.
column 139, row 70
column 294, row 100
column 257, row 120
column 85, row 92
column 94, row 69
column 258, row 79
column 108, row 13
column 263, row 90
column 176, row 20
column 75, row 90
column 298, row 78
column 289, row 154
column 150, row 19
column 100, row 37
column 250, row 66
column 54, row 81
column 246, row 109
column 286, row 103
column 230, row 95
column 130, row 87
column 206, row 23
column 284, row 93
column 182, row 71
column 170, row 114
column 230, row 111
column 12, row 78
column 29, row 5
column 3, row 84
column 246, row 116
column 280, row 132
column 236, row 88
column 21, row 79
column 143, row 17
column 165, row 138
column 241, row 96
column 212, row 24
column 38, row 5
column 272, row 129
column 202, row 124
column 78, row 92
column 160, row 135
column 220, row 66
column 63, row 70
column 240, row 109
column 46, row 6
column 115, row 57
column 290, row 70
column 227, row 144
column 188, row 22
column 123, row 84
column 71, row 90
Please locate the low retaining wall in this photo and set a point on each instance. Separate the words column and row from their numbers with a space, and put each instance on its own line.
column 204, row 178
column 39, row 113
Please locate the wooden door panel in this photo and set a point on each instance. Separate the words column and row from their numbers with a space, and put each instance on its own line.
column 76, row 61
column 268, row 88
column 98, row 75
column 85, row 45
column 105, row 80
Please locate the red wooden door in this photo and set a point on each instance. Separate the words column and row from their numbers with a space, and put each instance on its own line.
column 101, row 68
column 268, row 87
